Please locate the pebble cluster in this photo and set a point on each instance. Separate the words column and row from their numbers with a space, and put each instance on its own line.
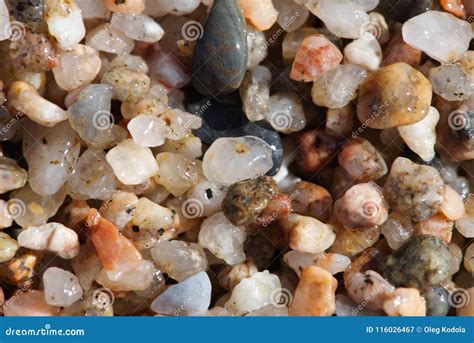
column 236, row 157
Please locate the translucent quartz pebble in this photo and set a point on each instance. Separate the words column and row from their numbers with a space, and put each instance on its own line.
column 180, row 123
column 107, row 39
column 291, row 15
column 255, row 93
column 51, row 155
column 130, row 85
column 61, row 288
column 451, row 82
column 440, row 35
column 135, row 276
column 65, row 22
column 285, row 112
column 148, row 130
column 77, row 67
column 4, row 21
column 348, row 21
column 257, row 47
column 31, row 209
column 167, row 69
column 262, row 14
column 177, row 173
column 26, row 99
column 364, row 52
column 132, row 163
column 208, row 196
column 92, row 178
column 337, row 87
column 223, row 239
column 190, row 147
column 178, row 259
column 257, row 291
column 189, row 297
column 91, row 118
column 92, row 8
column 334, row 263
column 159, row 8
column 121, row 209
column 397, row 229
column 8, row 247
column 139, row 27
column 293, row 40
column 229, row 160
column 151, row 216
column 53, row 237
column 421, row 136
column 11, row 175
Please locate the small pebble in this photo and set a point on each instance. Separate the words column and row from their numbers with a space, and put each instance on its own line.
column 437, row 301
column 261, row 14
column 309, row 199
column 61, row 288
column 333, row 263
column 8, row 247
column 405, row 302
column 364, row 52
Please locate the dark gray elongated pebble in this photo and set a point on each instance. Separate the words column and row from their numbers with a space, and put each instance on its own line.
column 423, row 261
column 220, row 56
column 402, row 10
column 437, row 303
column 26, row 11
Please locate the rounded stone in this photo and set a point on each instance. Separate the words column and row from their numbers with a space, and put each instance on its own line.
column 436, row 301
column 220, row 56
column 393, row 96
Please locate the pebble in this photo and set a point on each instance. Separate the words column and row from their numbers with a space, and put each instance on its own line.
column 229, row 160
column 367, row 288
column 77, row 67
column 293, row 40
column 315, row 294
column 421, row 136
column 465, row 224
column 453, row 204
column 139, row 27
column 414, row 189
column 403, row 10
column 120, row 209
column 392, row 96
column 8, row 247
column 151, row 216
column 98, row 182
column 64, row 20
column 223, row 239
column 209, row 195
column 179, row 123
column 11, row 175
column 261, row 14
column 92, row 9
column 361, row 160
column 397, row 229
column 353, row 242
column 308, row 234
column 361, row 207
column 405, row 302
column 255, row 93
column 437, row 301
column 23, row 97
column 438, row 226
column 440, row 35
column 451, row 82
column 259, row 290
column 148, row 130
column 31, row 11
column 33, row 51
column 107, row 39
column 29, row 303
column 224, row 71
column 178, row 259
column 316, row 149
column 285, row 112
column 177, row 173
column 132, row 163
column 129, row 85
column 349, row 21
column 333, row 263
column 51, row 155
column 230, row 276
column 312, row 200
column 187, row 298
column 190, row 147
column 257, row 47
column 6, row 219
column 246, row 199
column 315, row 56
column 125, row 6
column 422, row 261
column 53, row 237
column 364, row 52
column 61, row 288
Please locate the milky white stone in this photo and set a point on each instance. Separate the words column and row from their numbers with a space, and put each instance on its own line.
column 253, row 293
column 440, row 35
column 337, row 87
column 178, row 259
column 291, row 15
column 92, row 178
column 91, row 118
column 208, row 195
column 190, row 147
column 8, row 247
column 25, row 98
column 4, row 21
column 51, row 155
column 451, row 82
column 106, row 38
column 421, row 136
column 255, row 93
column 128, row 277
column 364, row 52
column 54, row 237
column 133, row 62
column 139, row 27
column 229, row 160
column 257, row 47
column 65, row 22
column 12, row 176
column 223, row 239
column 159, row 8
column 189, row 297
column 334, row 263
column 177, row 173
column 92, row 8
column 77, row 67
column 180, row 123
column 147, row 130
column 61, row 288
column 150, row 215
column 348, row 21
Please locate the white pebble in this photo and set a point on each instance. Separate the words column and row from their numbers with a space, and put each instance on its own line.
column 61, row 288
column 366, row 53
column 107, row 39
column 139, row 27
column 147, row 130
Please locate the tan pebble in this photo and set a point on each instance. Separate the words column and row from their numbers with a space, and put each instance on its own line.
column 453, row 205
column 310, row 199
column 404, row 302
column 438, row 225
column 29, row 303
column 315, row 294
column 261, row 14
